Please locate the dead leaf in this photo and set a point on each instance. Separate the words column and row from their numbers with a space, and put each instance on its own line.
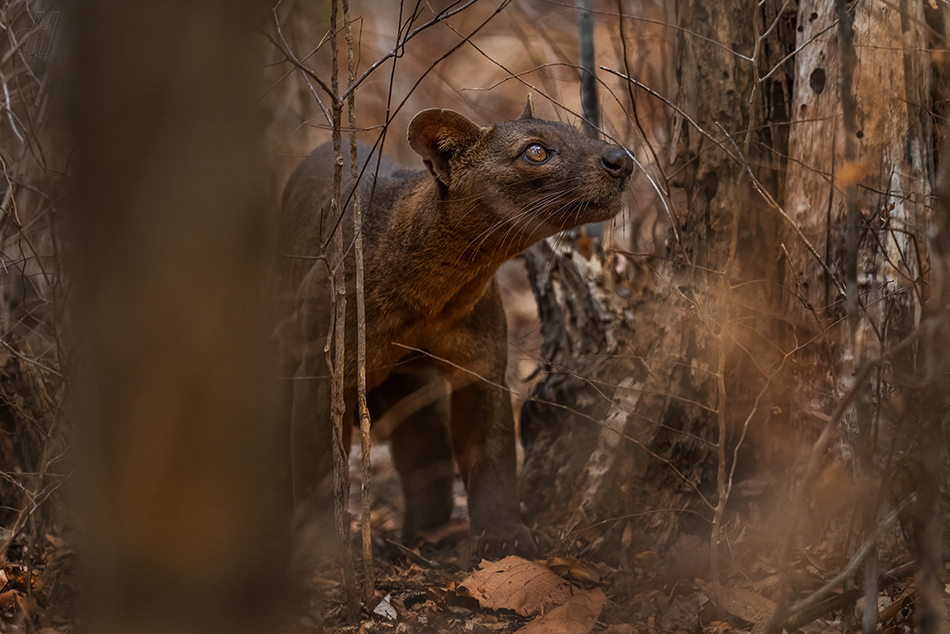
column 647, row 596
column 16, row 608
column 385, row 608
column 745, row 604
column 717, row 627
column 646, row 560
column 815, row 561
column 577, row 616
column 894, row 609
column 516, row 584
column 55, row 542
column 767, row 584
column 574, row 569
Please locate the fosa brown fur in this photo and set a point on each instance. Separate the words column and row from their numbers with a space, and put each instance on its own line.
column 433, row 240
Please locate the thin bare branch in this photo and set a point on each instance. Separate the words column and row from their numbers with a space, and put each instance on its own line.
column 366, row 531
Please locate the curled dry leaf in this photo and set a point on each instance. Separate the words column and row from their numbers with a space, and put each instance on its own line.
column 646, row 560
column 577, row 616
column 747, row 605
column 894, row 609
column 574, row 569
column 16, row 608
column 385, row 608
column 516, row 584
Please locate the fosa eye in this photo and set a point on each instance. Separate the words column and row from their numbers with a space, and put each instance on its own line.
column 536, row 153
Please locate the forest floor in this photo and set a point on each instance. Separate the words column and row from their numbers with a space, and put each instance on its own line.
column 430, row 587
column 37, row 587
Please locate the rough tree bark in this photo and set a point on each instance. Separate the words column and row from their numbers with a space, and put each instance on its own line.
column 864, row 191
column 744, row 351
column 642, row 360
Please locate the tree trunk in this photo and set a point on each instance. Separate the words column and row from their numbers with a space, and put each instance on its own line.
column 631, row 402
column 798, row 285
column 173, row 389
column 876, row 154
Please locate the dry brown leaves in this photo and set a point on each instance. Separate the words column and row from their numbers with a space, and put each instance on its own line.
column 534, row 590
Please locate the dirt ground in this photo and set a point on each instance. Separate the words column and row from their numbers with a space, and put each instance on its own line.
column 431, row 586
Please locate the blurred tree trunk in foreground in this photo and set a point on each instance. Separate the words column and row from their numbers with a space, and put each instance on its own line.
column 779, row 315
column 172, row 383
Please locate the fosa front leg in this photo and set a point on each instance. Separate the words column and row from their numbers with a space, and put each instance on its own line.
column 483, row 439
column 483, row 430
column 417, row 404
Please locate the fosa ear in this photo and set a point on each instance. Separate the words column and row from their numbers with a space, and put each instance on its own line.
column 528, row 112
column 437, row 135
